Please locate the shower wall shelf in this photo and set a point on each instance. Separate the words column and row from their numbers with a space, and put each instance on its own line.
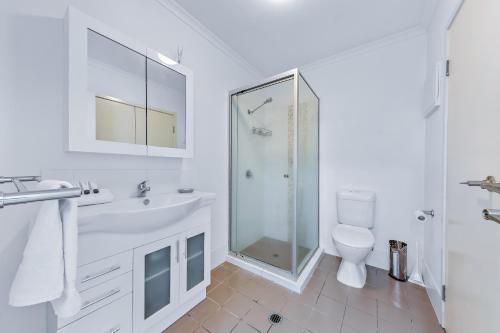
column 262, row 131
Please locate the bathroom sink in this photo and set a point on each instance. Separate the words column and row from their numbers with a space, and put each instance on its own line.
column 138, row 215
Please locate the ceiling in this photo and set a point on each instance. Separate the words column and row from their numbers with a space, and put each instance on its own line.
column 277, row 35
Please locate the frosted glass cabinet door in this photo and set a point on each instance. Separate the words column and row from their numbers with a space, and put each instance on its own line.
column 155, row 281
column 195, row 264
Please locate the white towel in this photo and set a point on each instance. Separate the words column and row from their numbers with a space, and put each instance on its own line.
column 47, row 272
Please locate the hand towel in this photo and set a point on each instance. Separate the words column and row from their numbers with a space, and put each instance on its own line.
column 47, row 272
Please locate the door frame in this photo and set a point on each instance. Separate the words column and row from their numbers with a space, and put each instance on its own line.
column 453, row 14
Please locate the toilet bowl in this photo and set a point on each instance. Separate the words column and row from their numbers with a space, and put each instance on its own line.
column 353, row 244
column 352, row 236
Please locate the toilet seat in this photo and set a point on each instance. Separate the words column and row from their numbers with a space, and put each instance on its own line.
column 353, row 236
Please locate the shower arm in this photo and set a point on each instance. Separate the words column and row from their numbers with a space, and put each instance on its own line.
column 269, row 100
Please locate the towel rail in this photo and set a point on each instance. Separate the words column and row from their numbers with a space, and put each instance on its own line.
column 24, row 196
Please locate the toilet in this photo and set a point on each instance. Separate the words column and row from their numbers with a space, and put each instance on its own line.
column 352, row 235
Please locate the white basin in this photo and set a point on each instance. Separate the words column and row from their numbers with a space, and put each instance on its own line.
column 138, row 215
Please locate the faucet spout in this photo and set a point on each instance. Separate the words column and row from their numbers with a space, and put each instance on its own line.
column 142, row 189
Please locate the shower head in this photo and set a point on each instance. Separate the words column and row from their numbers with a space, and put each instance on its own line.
column 268, row 100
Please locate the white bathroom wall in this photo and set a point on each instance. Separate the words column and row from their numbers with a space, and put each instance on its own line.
column 372, row 135
column 32, row 92
column 435, row 139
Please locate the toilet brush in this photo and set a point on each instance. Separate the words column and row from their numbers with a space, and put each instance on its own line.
column 416, row 275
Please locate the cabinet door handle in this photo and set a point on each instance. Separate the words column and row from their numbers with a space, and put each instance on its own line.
column 114, row 329
column 185, row 248
column 87, row 278
column 177, row 247
column 100, row 298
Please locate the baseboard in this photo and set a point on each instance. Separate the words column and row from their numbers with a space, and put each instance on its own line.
column 434, row 292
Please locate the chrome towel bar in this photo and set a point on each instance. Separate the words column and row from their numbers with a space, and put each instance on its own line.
column 25, row 196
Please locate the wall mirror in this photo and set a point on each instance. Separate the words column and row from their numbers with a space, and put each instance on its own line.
column 124, row 98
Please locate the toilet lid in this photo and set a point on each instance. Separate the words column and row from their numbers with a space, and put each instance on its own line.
column 353, row 236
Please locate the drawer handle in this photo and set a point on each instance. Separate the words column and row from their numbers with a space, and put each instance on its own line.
column 106, row 271
column 100, row 298
column 114, row 329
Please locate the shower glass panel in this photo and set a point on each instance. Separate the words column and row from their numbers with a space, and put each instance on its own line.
column 262, row 121
column 274, row 173
column 307, row 174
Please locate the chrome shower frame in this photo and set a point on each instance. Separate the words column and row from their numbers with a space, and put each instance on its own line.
column 295, row 75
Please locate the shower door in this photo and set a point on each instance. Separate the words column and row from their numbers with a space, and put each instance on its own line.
column 262, row 171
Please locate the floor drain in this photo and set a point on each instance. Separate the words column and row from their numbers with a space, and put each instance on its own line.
column 275, row 318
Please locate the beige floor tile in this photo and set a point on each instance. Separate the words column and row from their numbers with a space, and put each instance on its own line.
column 212, row 286
column 252, row 289
column 201, row 330
column 321, row 323
column 394, row 327
column 220, row 274
column 274, row 298
column 363, row 303
column 315, row 284
column 203, row 310
column 296, row 312
column 230, row 267
column 220, row 322
column 331, row 308
column 422, row 310
column 221, row 294
column 258, row 318
column 286, row 326
column 239, row 305
column 239, row 279
column 335, row 290
column 184, row 325
column 307, row 297
column 393, row 314
column 244, row 328
column 359, row 320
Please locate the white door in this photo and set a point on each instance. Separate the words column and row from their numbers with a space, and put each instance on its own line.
column 432, row 250
column 473, row 244
column 156, row 282
column 195, row 261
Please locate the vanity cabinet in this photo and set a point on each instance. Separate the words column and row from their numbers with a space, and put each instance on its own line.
column 167, row 273
column 145, row 287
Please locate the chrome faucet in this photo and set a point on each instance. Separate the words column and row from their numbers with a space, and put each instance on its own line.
column 143, row 189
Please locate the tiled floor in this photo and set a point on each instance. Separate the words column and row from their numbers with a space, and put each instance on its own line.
column 240, row 302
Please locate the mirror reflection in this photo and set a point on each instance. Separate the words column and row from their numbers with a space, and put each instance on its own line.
column 166, row 115
column 137, row 100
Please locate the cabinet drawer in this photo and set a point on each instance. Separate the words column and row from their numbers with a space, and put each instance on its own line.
column 113, row 318
column 92, row 274
column 99, row 296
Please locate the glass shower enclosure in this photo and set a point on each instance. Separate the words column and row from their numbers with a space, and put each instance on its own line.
column 274, row 173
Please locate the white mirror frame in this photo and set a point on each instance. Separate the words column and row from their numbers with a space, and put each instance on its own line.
column 81, row 129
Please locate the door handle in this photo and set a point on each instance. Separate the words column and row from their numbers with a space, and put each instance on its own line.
column 177, row 247
column 492, row 215
column 489, row 184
